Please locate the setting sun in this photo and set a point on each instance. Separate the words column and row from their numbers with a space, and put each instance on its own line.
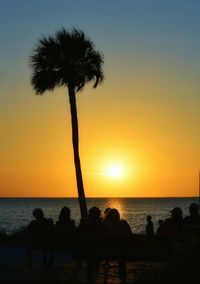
column 114, row 171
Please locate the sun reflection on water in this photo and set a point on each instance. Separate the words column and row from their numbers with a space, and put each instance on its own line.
column 116, row 203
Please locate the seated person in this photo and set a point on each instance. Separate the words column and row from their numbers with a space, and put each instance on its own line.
column 40, row 233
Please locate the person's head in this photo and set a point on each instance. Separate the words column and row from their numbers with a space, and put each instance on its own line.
column 194, row 208
column 38, row 213
column 106, row 210
column 64, row 214
column 160, row 222
column 177, row 213
column 94, row 213
column 112, row 217
column 149, row 218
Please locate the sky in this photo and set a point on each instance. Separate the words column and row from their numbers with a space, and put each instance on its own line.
column 139, row 131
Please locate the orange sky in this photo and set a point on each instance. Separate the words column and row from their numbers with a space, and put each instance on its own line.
column 154, row 143
column 144, row 118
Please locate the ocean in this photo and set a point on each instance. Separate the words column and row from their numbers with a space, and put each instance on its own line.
column 16, row 213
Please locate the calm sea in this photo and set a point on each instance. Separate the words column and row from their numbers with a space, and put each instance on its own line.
column 17, row 212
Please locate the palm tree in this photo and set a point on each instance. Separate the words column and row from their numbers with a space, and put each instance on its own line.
column 68, row 59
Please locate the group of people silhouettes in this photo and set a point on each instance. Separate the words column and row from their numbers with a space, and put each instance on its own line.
column 50, row 237
column 177, row 226
column 44, row 235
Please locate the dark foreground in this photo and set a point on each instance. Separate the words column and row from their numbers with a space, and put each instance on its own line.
column 138, row 273
column 141, row 270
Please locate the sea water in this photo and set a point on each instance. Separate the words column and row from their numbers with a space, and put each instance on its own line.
column 16, row 213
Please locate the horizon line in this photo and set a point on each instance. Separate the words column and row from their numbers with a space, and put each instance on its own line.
column 92, row 197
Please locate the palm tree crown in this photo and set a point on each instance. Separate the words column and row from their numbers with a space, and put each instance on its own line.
column 66, row 59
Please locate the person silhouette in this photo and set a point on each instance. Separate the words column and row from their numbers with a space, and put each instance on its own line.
column 149, row 227
column 64, row 229
column 114, row 223
column 117, row 229
column 192, row 222
column 173, row 227
column 40, row 233
column 92, row 228
column 160, row 228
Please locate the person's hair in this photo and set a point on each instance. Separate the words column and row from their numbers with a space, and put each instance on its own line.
column 38, row 213
column 194, row 208
column 106, row 210
column 64, row 214
column 112, row 217
column 94, row 213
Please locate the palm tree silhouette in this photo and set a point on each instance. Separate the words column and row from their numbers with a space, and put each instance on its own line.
column 68, row 59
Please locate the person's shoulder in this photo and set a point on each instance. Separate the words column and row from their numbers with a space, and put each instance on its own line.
column 125, row 225
column 124, row 222
column 32, row 224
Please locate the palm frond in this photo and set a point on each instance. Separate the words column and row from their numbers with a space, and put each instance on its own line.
column 67, row 58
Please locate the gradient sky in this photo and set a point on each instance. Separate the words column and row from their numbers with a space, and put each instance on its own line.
column 145, row 118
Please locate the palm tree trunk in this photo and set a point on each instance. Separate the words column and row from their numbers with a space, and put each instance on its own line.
column 75, row 141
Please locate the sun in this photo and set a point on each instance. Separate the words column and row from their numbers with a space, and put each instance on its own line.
column 114, row 171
